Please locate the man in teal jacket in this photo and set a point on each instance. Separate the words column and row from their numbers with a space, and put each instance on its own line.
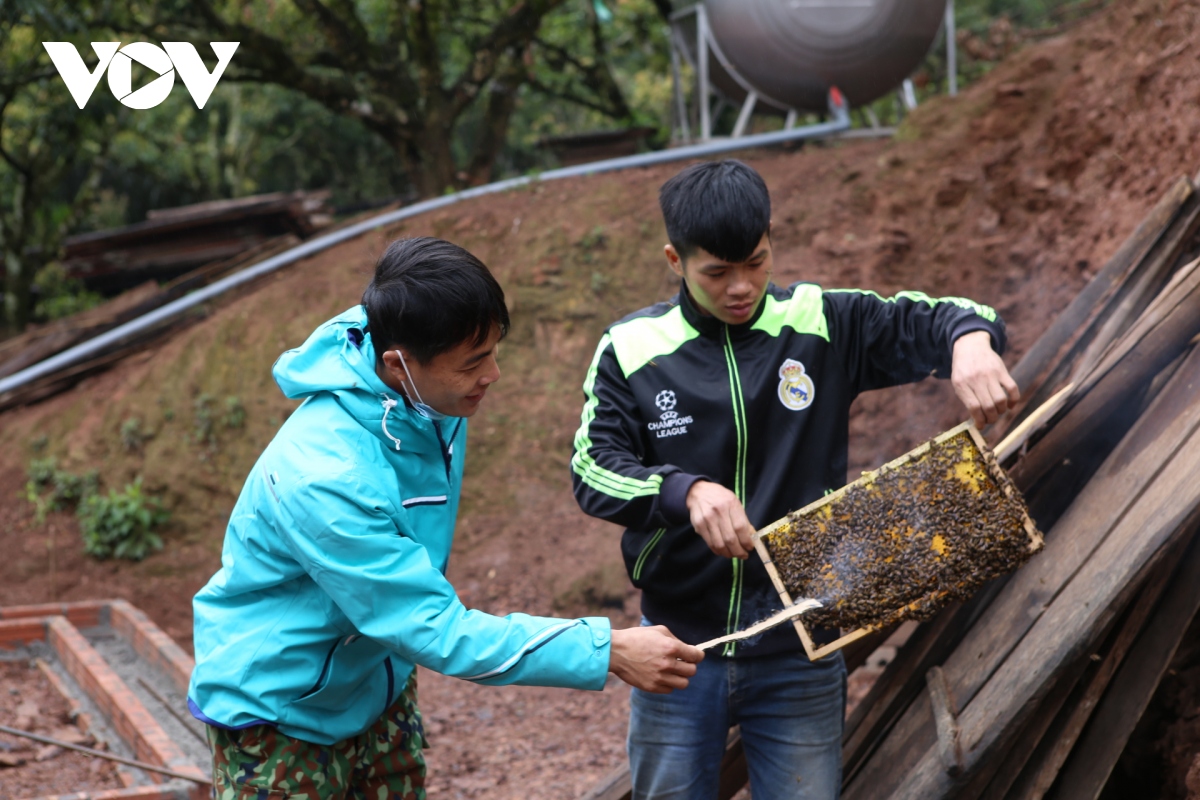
column 332, row 584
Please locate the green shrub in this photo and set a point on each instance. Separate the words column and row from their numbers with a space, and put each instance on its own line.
column 52, row 489
column 203, row 422
column 121, row 524
column 235, row 412
column 132, row 435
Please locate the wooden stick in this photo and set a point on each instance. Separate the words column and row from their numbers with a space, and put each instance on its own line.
column 778, row 618
column 943, row 717
column 184, row 721
column 129, row 762
column 1011, row 443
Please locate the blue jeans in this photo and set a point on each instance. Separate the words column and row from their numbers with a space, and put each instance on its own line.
column 790, row 711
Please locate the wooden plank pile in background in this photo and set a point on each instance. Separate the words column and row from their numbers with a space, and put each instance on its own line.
column 174, row 241
column 1047, row 672
column 40, row 343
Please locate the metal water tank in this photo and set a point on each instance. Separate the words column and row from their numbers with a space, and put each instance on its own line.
column 792, row 51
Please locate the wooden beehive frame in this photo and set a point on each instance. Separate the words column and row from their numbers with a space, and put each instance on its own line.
column 994, row 469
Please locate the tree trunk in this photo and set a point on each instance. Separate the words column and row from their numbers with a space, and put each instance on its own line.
column 18, row 278
column 430, row 160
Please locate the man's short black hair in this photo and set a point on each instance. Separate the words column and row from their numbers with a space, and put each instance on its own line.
column 429, row 296
column 720, row 206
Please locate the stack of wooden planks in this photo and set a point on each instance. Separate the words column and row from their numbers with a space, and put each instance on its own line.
column 1032, row 688
column 174, row 241
column 40, row 343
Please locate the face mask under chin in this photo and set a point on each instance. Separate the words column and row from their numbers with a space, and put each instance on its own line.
column 410, row 387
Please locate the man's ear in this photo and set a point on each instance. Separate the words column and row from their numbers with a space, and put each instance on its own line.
column 392, row 365
column 390, row 360
column 393, row 373
column 674, row 261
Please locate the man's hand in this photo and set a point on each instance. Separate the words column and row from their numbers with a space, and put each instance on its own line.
column 718, row 516
column 980, row 378
column 652, row 659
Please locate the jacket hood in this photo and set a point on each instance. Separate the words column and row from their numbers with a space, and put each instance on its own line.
column 339, row 358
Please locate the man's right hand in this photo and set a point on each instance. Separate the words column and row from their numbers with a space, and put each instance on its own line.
column 718, row 516
column 652, row 659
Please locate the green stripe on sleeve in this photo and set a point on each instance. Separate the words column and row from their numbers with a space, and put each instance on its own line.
column 597, row 477
column 987, row 312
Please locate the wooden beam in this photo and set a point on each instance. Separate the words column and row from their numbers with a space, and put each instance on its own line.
column 1033, row 779
column 1074, row 318
column 1152, row 275
column 1157, row 344
column 992, row 781
column 1101, row 297
column 1096, row 753
column 949, row 746
column 1069, row 625
column 903, row 679
column 1135, row 470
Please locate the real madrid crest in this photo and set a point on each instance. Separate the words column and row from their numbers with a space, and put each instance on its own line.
column 795, row 387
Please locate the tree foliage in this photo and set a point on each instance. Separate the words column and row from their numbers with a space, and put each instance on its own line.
column 51, row 153
column 437, row 80
column 373, row 99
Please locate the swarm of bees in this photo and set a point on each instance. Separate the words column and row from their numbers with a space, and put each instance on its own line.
column 904, row 541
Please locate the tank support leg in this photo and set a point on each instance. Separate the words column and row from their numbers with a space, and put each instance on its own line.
column 744, row 115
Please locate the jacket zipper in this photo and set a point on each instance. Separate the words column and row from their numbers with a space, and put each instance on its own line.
column 739, row 484
column 641, row 560
column 447, row 456
column 324, row 670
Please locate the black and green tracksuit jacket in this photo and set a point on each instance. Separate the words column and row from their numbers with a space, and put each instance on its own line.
column 673, row 396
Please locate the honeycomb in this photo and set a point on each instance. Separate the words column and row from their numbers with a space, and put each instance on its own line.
column 904, row 541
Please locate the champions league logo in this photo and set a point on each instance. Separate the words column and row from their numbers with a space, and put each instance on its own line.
column 795, row 387
column 670, row 423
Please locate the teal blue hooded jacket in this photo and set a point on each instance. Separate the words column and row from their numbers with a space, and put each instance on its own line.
column 332, row 583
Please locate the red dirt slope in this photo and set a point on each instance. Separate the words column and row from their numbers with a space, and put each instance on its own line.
column 1013, row 194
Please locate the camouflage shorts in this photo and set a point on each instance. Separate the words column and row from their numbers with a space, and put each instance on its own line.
column 383, row 763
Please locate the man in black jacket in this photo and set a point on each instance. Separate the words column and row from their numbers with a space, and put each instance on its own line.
column 718, row 412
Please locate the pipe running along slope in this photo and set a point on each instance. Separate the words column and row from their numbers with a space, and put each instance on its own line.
column 840, row 122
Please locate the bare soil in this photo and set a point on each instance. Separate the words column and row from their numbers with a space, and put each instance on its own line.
column 1013, row 194
column 28, row 701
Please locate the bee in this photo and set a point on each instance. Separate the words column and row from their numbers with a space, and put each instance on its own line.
column 902, row 543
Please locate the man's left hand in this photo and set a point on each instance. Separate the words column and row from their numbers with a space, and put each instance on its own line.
column 980, row 378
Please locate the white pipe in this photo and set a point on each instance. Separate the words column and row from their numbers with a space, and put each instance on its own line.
column 702, row 73
column 951, row 50
column 840, row 122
